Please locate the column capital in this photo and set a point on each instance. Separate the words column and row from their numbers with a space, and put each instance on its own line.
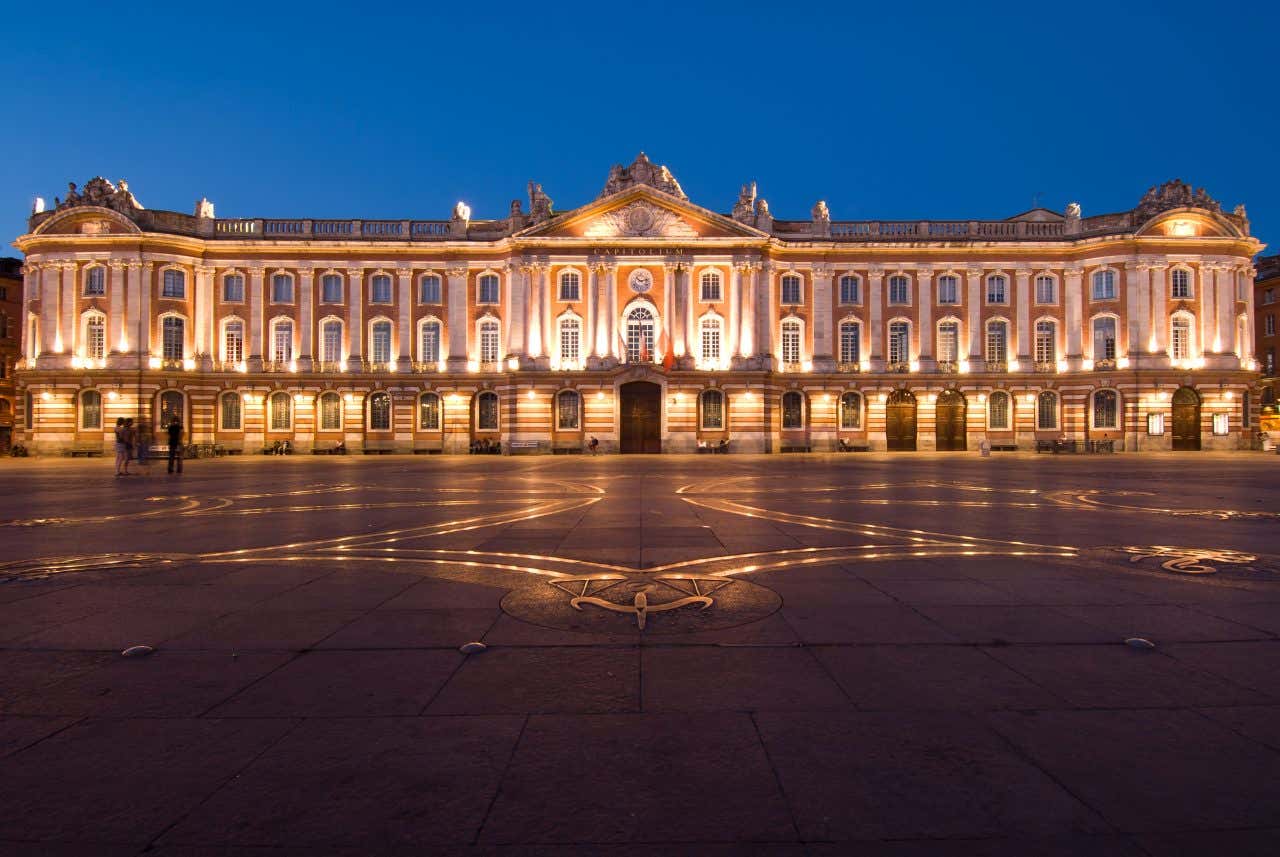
column 205, row 270
column 822, row 269
column 875, row 270
column 256, row 270
column 924, row 272
column 133, row 266
column 306, row 270
column 404, row 269
column 1154, row 266
column 117, row 264
column 973, row 270
column 1073, row 271
column 1249, row 271
column 1023, row 273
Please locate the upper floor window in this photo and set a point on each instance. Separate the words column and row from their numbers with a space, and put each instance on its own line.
column 997, row 341
column 899, row 341
column 95, row 281
column 380, row 342
column 711, row 287
column 899, row 290
column 712, row 409
column 850, row 342
column 380, row 289
column 380, row 412
column 331, row 289
column 998, row 411
column 791, row 341
column 331, row 341
column 570, row 341
column 282, row 289
column 1047, row 411
column 487, row 287
column 1269, row 325
column 1268, row 296
column 488, row 342
column 948, row 289
column 429, row 347
column 230, row 409
column 639, row 335
column 1104, row 285
column 792, row 410
column 429, row 412
column 233, row 341
column 233, row 289
column 282, row 341
column 429, row 289
column 948, row 341
column 851, row 411
column 95, row 337
column 174, row 284
column 997, row 289
column 1104, row 338
column 710, row 341
column 1046, row 289
column 568, row 411
column 570, row 286
column 173, row 337
column 792, row 289
column 850, row 289
column 1180, row 338
column 1046, row 342
column 330, row 412
column 1180, row 283
column 1106, row 409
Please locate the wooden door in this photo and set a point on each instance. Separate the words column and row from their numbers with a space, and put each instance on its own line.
column 640, row 409
column 900, row 421
column 1186, row 419
column 949, row 422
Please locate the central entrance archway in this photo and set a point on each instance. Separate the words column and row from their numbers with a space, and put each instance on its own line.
column 1186, row 419
column 640, row 415
column 949, row 421
column 900, row 421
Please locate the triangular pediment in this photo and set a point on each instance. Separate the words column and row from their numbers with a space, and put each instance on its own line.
column 640, row 212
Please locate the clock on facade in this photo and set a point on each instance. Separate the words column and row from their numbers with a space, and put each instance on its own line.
column 641, row 281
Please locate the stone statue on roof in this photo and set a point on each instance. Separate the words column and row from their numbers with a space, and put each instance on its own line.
column 642, row 171
column 540, row 205
column 745, row 208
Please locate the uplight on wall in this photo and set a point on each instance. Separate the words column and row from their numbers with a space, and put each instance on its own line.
column 154, row 363
column 963, row 366
column 513, row 363
column 1086, row 364
column 473, row 366
column 1122, row 362
column 112, row 395
column 1062, row 365
column 914, row 365
column 189, row 364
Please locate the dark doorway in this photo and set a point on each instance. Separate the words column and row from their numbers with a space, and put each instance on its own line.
column 640, row 410
column 900, row 421
column 1186, row 419
column 949, row 420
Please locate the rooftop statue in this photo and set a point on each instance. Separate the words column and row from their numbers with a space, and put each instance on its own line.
column 540, row 205
column 98, row 191
column 1174, row 194
column 745, row 208
column 642, row 171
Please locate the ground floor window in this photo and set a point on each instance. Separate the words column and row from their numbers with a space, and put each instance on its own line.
column 230, row 412
column 851, row 411
column 792, row 410
column 429, row 412
column 998, row 411
column 330, row 412
column 1047, row 411
column 1105, row 410
column 487, row 411
column 712, row 410
column 281, row 412
column 90, row 409
column 568, row 409
column 380, row 412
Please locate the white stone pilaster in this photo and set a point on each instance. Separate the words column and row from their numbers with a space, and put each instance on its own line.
column 668, row 304
column 145, row 311
column 136, row 332
column 746, row 339
column 518, row 299
column 203, row 300
column 1024, row 349
column 257, row 276
column 1207, row 335
column 875, row 305
column 1159, row 309
column 1224, row 277
column 973, row 295
column 611, row 291
column 765, row 321
column 119, row 335
column 457, row 279
column 822, row 323
column 1140, row 312
column 49, row 339
column 69, row 328
column 924, row 329
column 1073, row 309
column 404, row 283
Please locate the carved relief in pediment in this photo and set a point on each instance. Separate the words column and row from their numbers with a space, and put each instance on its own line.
column 640, row 219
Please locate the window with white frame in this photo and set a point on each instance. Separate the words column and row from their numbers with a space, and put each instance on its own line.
column 487, row 289
column 712, row 402
column 1269, row 325
column 851, row 411
column 899, row 289
column 429, row 341
column 1104, row 285
column 791, row 341
column 570, row 286
column 233, row 289
column 948, row 289
column 229, row 408
column 281, row 407
column 380, row 412
column 1046, row 341
column 173, row 284
column 998, row 411
column 95, row 337
column 710, row 287
column 331, row 341
column 331, row 289
column 233, row 341
column 90, row 409
column 429, row 289
column 1180, row 338
column 1046, row 289
column 1106, row 409
column 850, row 342
column 710, row 328
column 792, row 410
column 570, row 341
column 792, row 289
column 1104, row 338
column 899, row 342
column 1180, row 283
column 487, row 411
column 173, row 337
column 380, row 342
column 997, row 341
column 95, row 281
column 330, row 412
column 429, row 412
column 281, row 289
column 282, row 341
column 489, row 341
column 568, row 410
column 997, row 289
column 1047, row 411
column 850, row 289
column 948, row 350
column 639, row 335
column 380, row 289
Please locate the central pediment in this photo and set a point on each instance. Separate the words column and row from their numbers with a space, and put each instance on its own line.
column 640, row 212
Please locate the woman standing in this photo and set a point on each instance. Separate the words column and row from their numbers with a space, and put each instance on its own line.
column 122, row 448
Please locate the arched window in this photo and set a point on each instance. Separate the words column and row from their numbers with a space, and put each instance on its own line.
column 282, row 340
column 1180, row 337
column 173, row 284
column 791, row 341
column 489, row 341
column 570, row 341
column 899, row 342
column 95, row 336
column 792, row 289
column 850, row 342
column 899, row 289
column 792, row 410
column 90, row 409
column 710, row 328
column 429, row 341
column 1046, row 343
column 331, row 341
column 997, row 289
column 948, row 289
column 487, row 411
column 380, row 289
column 28, row 410
column 233, row 341
column 1104, row 338
column 429, row 412
column 568, row 410
column 640, row 325
column 487, row 289
column 429, row 289
column 711, row 287
column 380, row 412
column 1180, row 283
column 1106, row 409
column 850, row 289
column 1046, row 289
column 281, row 407
column 281, row 289
column 380, row 341
column 171, row 408
column 330, row 411
column 331, row 289
column 233, row 289
column 1246, row 401
column 712, row 404
column 173, row 337
column 1047, row 411
column 948, row 350
column 95, row 281
column 229, row 409
column 997, row 341
column 998, row 411
column 570, row 286
column 851, row 411
column 1104, row 285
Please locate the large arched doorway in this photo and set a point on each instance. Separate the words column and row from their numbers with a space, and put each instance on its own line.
column 900, row 421
column 640, row 413
column 949, row 420
column 1186, row 419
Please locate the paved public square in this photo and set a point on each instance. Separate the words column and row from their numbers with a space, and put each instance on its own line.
column 857, row 654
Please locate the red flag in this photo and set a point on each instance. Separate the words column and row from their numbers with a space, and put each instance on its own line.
column 668, row 359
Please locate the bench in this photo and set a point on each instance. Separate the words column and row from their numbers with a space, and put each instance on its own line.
column 427, row 451
column 797, row 448
column 853, row 447
column 522, row 445
column 1004, row 447
column 86, row 451
column 375, row 450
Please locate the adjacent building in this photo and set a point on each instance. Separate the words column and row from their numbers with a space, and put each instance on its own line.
column 644, row 320
column 1267, row 300
column 10, row 346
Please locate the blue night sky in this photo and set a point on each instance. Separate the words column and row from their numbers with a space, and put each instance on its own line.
column 886, row 110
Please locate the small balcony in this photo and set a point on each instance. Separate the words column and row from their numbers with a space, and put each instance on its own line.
column 996, row 365
column 1106, row 365
column 849, row 368
column 948, row 367
column 425, row 368
column 902, row 367
column 1046, row 367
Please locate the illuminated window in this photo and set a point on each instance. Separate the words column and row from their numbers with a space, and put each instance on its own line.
column 851, row 411
column 998, row 411
column 899, row 290
column 282, row 289
column 711, row 287
column 850, row 289
column 899, row 342
column 487, row 288
column 380, row 342
column 710, row 328
column 173, row 284
column 233, row 341
column 1104, row 338
column 570, row 341
column 281, row 407
column 1222, row 424
column 331, row 289
column 948, row 341
column 568, row 410
column 331, row 341
column 639, row 335
column 850, row 342
column 997, row 289
column 95, row 281
column 173, row 337
column 997, row 341
column 230, row 412
column 380, row 289
column 792, row 410
column 380, row 412
column 487, row 411
column 1105, row 409
column 90, row 409
column 488, row 342
column 282, row 341
column 1046, row 342
column 1180, row 283
column 330, row 412
column 429, row 289
column 792, row 289
column 791, row 341
column 712, row 409
column 570, row 286
column 429, row 341
column 948, row 289
column 1046, row 289
column 1047, row 411
column 1180, row 338
column 233, row 289
column 95, row 337
column 1104, row 285
column 429, row 412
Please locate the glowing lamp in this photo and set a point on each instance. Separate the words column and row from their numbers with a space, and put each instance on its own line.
column 513, row 363
column 46, row 396
column 807, row 366
column 914, row 365
column 1122, row 362
column 865, row 365
column 1013, row 366
column 188, row 364
column 298, row 398
column 441, row 366
column 1031, row 398
column 982, row 397
column 350, row 398
column 76, row 362
column 1199, row 363
column 1228, row 395
column 963, row 366
column 293, row 366
column 531, row 394
column 599, row 394
column 113, row 395
column 242, row 366
column 1086, row 364
column 342, row 366
column 884, row 397
column 473, row 366
column 1062, row 365
column 154, row 363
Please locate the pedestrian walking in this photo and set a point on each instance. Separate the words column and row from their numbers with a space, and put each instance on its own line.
column 594, row 446
column 130, row 443
column 122, row 448
column 175, row 443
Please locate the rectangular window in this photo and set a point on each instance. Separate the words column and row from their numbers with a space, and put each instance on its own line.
column 173, row 337
column 91, row 410
column 1221, row 424
column 1180, row 283
column 570, row 287
column 280, row 411
column 331, row 342
column 997, row 290
column 429, row 412
column 1155, row 424
column 429, row 289
column 1104, row 285
column 489, row 343
column 713, row 409
column 899, row 342
column 1180, row 339
column 233, row 289
column 1105, row 407
column 948, row 341
column 850, row 343
column 95, row 339
column 331, row 289
column 1047, row 412
column 1104, row 339
column 488, row 289
column 1269, row 325
column 282, row 289
column 710, row 285
column 998, row 416
column 899, row 290
column 430, row 342
column 570, row 342
column 1046, row 290
column 1046, row 343
column 95, row 282
column 230, row 412
column 710, row 343
column 791, row 343
column 567, row 411
column 849, row 290
column 791, row 289
column 380, row 337
column 330, row 412
column 948, row 289
column 997, row 343
column 380, row 290
column 174, row 284
column 283, row 343
column 487, row 412
column 233, row 342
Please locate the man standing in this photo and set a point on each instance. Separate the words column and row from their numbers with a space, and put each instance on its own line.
column 175, row 443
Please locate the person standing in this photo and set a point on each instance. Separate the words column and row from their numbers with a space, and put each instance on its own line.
column 175, row 443
column 122, row 448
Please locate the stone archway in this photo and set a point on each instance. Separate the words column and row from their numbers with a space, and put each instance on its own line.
column 1186, row 419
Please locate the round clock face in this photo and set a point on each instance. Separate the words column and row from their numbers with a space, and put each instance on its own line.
column 641, row 281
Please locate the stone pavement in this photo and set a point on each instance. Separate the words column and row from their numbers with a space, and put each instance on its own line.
column 859, row 654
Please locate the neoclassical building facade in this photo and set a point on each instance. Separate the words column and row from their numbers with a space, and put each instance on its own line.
column 643, row 320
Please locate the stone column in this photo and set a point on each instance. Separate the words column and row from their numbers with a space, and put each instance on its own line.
column 668, row 304
column 518, row 299
column 355, row 319
column 119, row 335
column 257, row 276
column 589, row 349
column 1025, row 349
column 203, row 299
column 1247, row 275
column 457, row 275
column 746, row 339
column 30, row 292
column 535, row 345
column 973, row 296
column 70, row 330
column 875, row 306
column 1140, row 314
column 766, row 322
column 1226, row 292
column 404, row 282
column 732, row 312
column 1159, row 309
column 611, row 326
column 823, row 335
column 600, row 336
column 306, row 318
column 676, row 317
column 925, row 327
column 691, row 345
column 49, row 339
column 144, row 309
column 1073, row 309
column 548, row 321
column 137, row 332
column 1208, row 309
